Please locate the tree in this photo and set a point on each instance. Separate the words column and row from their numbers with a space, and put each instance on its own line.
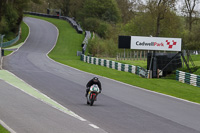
column 11, row 14
column 158, row 10
column 126, row 8
column 191, row 34
column 64, row 5
column 75, row 7
column 189, row 9
column 155, row 22
column 106, row 10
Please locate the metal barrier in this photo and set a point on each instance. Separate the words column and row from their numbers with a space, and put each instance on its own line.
column 9, row 43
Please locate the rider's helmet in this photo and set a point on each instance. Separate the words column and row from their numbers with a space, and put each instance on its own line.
column 95, row 79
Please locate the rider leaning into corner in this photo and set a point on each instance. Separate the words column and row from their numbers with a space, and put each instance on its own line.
column 95, row 80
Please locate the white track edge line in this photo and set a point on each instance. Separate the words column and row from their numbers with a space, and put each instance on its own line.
column 127, row 84
column 66, row 110
column 94, row 126
column 7, row 127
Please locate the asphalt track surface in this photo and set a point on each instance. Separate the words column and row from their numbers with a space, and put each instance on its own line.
column 120, row 107
column 25, row 114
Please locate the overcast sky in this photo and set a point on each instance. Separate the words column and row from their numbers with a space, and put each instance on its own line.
column 180, row 3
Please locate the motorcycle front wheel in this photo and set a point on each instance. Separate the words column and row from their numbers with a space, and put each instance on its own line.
column 92, row 100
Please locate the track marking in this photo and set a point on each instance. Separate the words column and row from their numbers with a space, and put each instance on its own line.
column 7, row 127
column 28, row 89
column 13, row 80
column 119, row 81
column 94, row 126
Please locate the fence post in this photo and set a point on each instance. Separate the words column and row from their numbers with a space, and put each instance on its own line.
column 0, row 58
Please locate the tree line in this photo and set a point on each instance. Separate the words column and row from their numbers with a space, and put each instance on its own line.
column 11, row 15
column 110, row 18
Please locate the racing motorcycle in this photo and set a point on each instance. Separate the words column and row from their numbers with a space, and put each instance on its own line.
column 92, row 94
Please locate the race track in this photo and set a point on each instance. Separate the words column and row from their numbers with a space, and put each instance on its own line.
column 120, row 108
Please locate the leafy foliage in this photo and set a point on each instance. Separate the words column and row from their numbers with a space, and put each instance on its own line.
column 191, row 39
column 101, row 47
column 106, row 10
column 110, row 18
column 11, row 14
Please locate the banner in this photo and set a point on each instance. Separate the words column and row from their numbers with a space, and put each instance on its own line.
column 155, row 43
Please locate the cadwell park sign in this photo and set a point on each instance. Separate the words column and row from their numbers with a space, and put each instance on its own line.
column 156, row 43
column 157, row 62
column 150, row 43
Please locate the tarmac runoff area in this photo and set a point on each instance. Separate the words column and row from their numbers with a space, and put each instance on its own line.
column 14, row 81
column 20, row 84
column 13, row 48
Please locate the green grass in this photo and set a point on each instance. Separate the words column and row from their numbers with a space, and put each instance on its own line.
column 65, row 52
column 3, row 130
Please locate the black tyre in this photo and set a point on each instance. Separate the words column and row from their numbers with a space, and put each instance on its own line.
column 92, row 101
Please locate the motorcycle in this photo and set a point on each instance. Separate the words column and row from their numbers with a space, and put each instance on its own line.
column 92, row 94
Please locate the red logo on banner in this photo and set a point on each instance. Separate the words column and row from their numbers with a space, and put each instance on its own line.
column 170, row 45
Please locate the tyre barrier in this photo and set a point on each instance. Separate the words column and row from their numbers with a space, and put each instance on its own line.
column 116, row 65
column 142, row 72
column 70, row 20
column 73, row 23
column 85, row 41
column 188, row 78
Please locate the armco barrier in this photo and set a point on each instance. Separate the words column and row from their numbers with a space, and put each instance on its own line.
column 9, row 43
column 188, row 78
column 115, row 65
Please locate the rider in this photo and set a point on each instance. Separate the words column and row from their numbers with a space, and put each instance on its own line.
column 95, row 80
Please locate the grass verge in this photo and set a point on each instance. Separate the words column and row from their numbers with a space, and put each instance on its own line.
column 3, row 130
column 69, row 42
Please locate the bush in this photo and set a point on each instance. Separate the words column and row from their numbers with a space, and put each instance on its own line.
column 91, row 24
column 102, row 28
column 100, row 47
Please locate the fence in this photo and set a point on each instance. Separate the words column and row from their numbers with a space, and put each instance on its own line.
column 131, row 55
column 188, row 78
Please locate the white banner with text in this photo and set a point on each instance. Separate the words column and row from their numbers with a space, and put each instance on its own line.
column 155, row 43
